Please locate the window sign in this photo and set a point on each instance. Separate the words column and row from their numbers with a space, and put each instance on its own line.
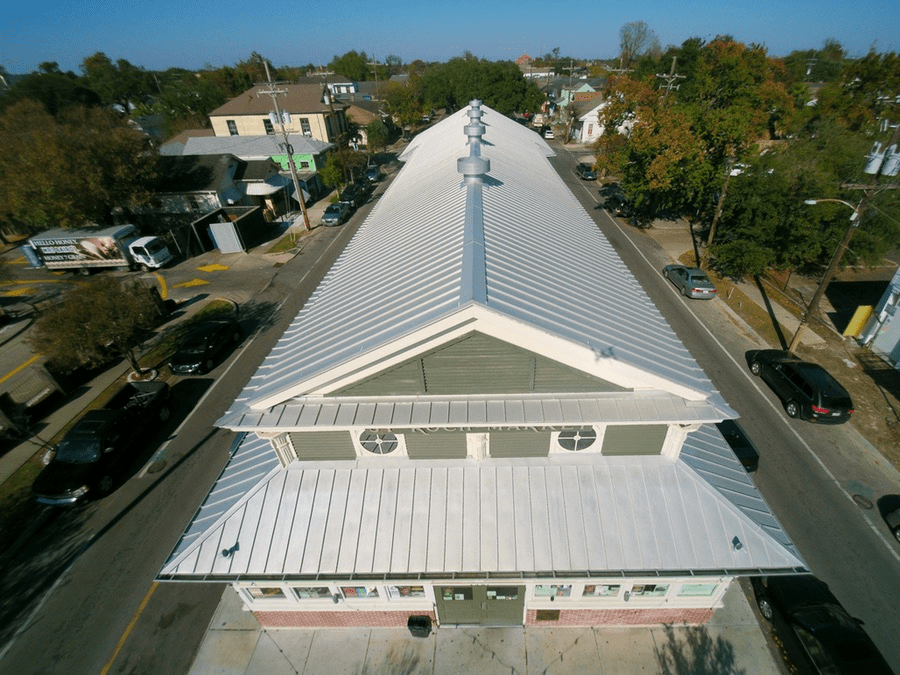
column 502, row 592
column 601, row 591
column 359, row 591
column 553, row 591
column 456, row 592
column 265, row 592
column 649, row 590
column 305, row 592
column 697, row 590
column 400, row 592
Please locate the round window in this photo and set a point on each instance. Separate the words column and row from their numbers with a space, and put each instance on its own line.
column 378, row 444
column 577, row 439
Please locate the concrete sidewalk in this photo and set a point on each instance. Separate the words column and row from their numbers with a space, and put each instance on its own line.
column 732, row 641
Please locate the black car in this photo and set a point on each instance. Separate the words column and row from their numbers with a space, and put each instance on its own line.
column 204, row 344
column 373, row 174
column 833, row 640
column 743, row 449
column 807, row 390
column 353, row 195
column 101, row 446
column 585, row 172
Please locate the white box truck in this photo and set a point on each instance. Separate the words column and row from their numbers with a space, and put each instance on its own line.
column 96, row 248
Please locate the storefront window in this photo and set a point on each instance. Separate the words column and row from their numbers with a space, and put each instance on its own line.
column 601, row 591
column 649, row 590
column 397, row 592
column 554, row 591
column 697, row 590
column 265, row 592
column 360, row 591
column 305, row 592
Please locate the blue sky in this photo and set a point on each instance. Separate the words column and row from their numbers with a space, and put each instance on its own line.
column 193, row 34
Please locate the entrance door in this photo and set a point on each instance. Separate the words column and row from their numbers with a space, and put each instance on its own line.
column 481, row 605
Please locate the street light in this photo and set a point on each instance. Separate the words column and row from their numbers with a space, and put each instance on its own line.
column 832, row 266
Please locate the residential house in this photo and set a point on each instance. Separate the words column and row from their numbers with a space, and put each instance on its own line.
column 588, row 127
column 309, row 156
column 191, row 186
column 480, row 417
column 306, row 109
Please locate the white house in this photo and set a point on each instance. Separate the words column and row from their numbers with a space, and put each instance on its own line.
column 480, row 417
column 591, row 128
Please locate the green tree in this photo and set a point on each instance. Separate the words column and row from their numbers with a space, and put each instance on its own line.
column 352, row 64
column 866, row 91
column 54, row 90
column 97, row 320
column 118, row 83
column 333, row 173
column 73, row 170
column 404, row 101
column 499, row 84
column 377, row 133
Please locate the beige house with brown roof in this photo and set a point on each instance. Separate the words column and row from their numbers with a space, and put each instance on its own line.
column 305, row 110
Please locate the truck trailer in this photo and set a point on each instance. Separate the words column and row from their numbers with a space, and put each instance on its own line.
column 116, row 247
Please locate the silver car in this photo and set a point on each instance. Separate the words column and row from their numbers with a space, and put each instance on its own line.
column 691, row 281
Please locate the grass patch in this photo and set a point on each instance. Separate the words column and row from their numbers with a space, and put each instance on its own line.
column 287, row 243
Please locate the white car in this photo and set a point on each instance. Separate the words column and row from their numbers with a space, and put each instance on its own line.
column 548, row 133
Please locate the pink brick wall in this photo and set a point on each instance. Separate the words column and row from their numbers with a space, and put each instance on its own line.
column 336, row 619
column 622, row 617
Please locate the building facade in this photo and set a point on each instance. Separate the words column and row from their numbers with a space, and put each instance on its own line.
column 480, row 417
column 306, row 109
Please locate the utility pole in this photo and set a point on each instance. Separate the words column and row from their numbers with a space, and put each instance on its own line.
column 879, row 164
column 288, row 148
column 671, row 78
column 375, row 69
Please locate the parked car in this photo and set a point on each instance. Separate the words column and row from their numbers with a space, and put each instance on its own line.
column 353, row 195
column 615, row 202
column 744, row 450
column 691, row 281
column 204, row 345
column 586, row 172
column 833, row 640
column 548, row 132
column 99, row 448
column 336, row 214
column 807, row 390
column 892, row 518
column 373, row 174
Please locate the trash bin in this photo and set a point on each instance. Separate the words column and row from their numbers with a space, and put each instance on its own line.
column 419, row 625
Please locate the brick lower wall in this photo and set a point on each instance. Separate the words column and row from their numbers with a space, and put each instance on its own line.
column 326, row 619
column 567, row 617
column 622, row 617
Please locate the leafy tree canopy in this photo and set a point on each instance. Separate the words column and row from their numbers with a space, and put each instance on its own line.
column 500, row 84
column 97, row 319
column 70, row 171
column 55, row 91
column 353, row 64
column 118, row 83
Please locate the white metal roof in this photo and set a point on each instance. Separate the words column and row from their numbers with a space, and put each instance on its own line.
column 557, row 515
column 523, row 259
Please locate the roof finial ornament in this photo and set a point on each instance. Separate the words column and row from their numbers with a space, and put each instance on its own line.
column 474, row 167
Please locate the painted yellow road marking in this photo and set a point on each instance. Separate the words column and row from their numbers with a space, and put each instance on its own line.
column 215, row 267
column 18, row 292
column 163, row 289
column 130, row 627
column 192, row 282
column 20, row 368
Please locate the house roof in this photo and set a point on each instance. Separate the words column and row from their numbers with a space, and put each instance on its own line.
column 297, row 99
column 190, row 173
column 247, row 147
column 561, row 515
column 524, row 263
column 501, row 248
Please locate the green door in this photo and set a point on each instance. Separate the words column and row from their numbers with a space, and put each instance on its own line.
column 481, row 605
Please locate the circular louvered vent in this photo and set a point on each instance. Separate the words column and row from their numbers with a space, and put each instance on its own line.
column 577, row 439
column 378, row 444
